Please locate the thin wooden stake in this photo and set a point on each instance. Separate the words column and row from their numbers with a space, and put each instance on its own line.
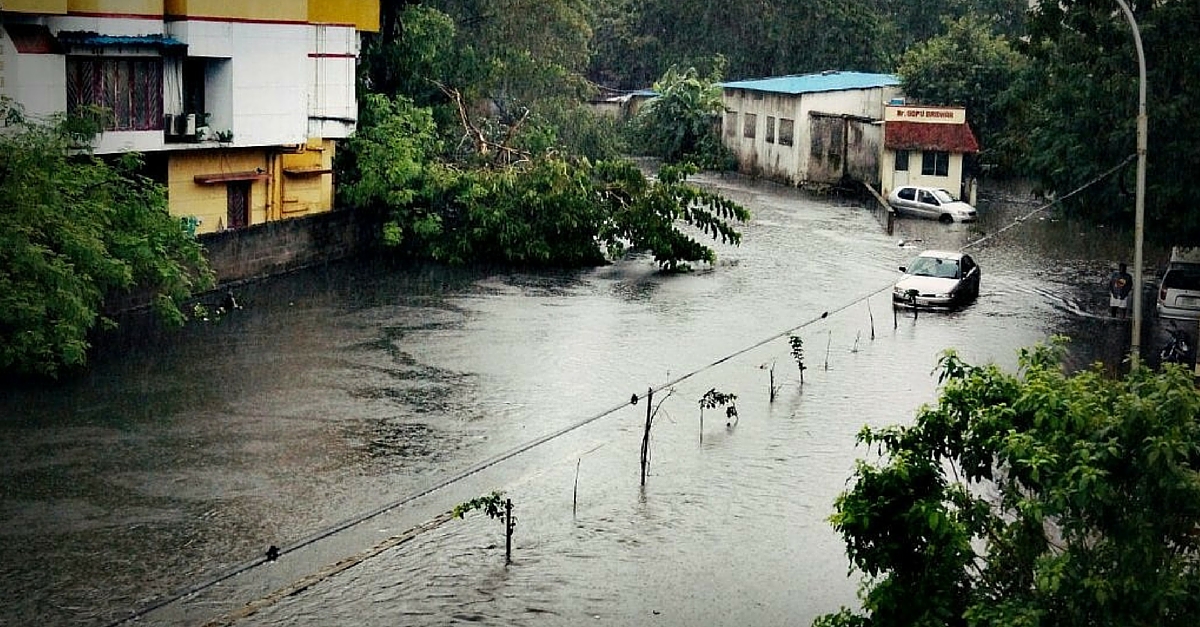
column 508, row 531
column 871, row 314
column 575, row 492
column 646, row 433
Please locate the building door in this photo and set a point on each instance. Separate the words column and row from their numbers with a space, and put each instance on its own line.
column 238, row 204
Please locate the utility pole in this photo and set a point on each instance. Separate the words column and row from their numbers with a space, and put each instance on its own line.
column 1135, row 344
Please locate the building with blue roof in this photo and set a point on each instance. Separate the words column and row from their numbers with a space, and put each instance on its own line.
column 816, row 83
column 822, row 128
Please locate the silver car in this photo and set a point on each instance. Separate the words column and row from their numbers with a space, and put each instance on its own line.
column 1179, row 292
column 934, row 203
column 937, row 279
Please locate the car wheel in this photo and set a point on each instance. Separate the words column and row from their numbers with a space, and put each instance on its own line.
column 946, row 218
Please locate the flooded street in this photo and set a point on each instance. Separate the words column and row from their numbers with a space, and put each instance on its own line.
column 345, row 408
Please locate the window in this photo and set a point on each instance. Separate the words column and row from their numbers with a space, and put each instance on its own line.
column 785, row 132
column 908, row 193
column 751, row 123
column 926, row 198
column 902, row 161
column 935, row 163
column 130, row 87
column 731, row 120
column 770, row 129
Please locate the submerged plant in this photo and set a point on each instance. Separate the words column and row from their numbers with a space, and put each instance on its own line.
column 713, row 399
column 798, row 354
column 496, row 506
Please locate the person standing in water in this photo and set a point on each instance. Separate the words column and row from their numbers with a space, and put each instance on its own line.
column 1120, row 284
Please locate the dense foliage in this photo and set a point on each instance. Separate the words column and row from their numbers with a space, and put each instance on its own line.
column 541, row 210
column 970, row 67
column 636, row 41
column 1041, row 498
column 1081, row 93
column 683, row 122
column 74, row 230
column 493, row 156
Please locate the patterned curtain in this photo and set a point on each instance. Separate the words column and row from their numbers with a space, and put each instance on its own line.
column 130, row 87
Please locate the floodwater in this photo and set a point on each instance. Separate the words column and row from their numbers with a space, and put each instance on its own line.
column 344, row 409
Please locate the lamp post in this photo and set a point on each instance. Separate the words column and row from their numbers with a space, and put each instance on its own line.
column 1135, row 344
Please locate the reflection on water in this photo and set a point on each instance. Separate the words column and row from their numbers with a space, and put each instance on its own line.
column 181, row 455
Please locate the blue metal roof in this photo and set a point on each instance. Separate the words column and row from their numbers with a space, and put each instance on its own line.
column 812, row 83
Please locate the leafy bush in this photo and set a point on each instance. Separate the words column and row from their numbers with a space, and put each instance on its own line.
column 683, row 123
column 1034, row 499
column 74, row 230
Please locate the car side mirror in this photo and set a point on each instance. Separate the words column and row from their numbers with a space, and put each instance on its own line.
column 903, row 269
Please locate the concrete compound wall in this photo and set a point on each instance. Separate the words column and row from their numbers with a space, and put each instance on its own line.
column 273, row 248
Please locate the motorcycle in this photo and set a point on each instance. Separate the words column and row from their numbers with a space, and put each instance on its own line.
column 1178, row 349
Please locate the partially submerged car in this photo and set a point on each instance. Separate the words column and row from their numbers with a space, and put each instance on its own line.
column 937, row 279
column 934, row 203
column 1179, row 289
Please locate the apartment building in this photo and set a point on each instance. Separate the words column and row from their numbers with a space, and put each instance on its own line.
column 237, row 106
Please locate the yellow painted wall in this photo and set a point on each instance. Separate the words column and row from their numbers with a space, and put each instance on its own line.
column 267, row 10
column 117, row 7
column 42, row 7
column 209, row 202
column 364, row 14
column 311, row 193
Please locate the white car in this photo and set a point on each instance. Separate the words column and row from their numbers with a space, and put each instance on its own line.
column 1179, row 289
column 937, row 279
column 934, row 203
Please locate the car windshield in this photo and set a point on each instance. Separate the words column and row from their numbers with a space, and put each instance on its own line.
column 934, row 266
column 943, row 195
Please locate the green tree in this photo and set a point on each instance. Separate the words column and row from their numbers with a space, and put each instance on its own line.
column 646, row 215
column 412, row 54
column 1081, row 91
column 386, row 162
column 1040, row 498
column 75, row 230
column 969, row 67
column 911, row 23
column 494, row 75
column 756, row 38
column 515, row 53
column 542, row 209
column 682, row 122
column 553, row 211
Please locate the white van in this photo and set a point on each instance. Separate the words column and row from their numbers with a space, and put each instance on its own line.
column 1179, row 289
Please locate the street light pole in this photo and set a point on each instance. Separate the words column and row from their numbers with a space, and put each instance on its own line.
column 1135, row 345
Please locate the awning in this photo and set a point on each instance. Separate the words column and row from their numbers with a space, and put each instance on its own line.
column 88, row 39
column 925, row 136
column 226, row 177
column 33, row 39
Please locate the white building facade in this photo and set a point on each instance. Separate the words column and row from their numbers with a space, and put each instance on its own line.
column 823, row 128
